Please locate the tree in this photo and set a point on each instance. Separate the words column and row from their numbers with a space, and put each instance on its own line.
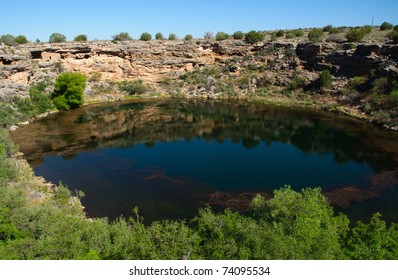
column 7, row 40
column 208, row 35
column 57, row 38
column 253, row 37
column 80, row 38
column 68, row 91
column 315, row 35
column 21, row 39
column 188, row 37
column 159, row 36
column 146, row 36
column 386, row 26
column 172, row 36
column 238, row 35
column 122, row 36
column 221, row 36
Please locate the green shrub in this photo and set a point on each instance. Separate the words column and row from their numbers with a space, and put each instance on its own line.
column 280, row 33
column 122, row 36
column 327, row 28
column 133, row 88
column 315, row 35
column 355, row 35
column 253, row 37
column 386, row 26
column 41, row 101
column 57, row 38
column 80, row 38
column 221, row 36
column 238, row 35
column 367, row 29
column 146, row 36
column 393, row 35
column 159, row 36
column 68, row 92
column 21, row 39
column 188, row 37
column 172, row 37
column 298, row 82
column 325, row 79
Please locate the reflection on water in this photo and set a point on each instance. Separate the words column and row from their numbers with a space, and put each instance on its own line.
column 171, row 157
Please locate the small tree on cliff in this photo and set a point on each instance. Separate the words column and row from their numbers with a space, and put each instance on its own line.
column 253, row 37
column 80, row 38
column 68, row 92
column 146, row 36
column 57, row 38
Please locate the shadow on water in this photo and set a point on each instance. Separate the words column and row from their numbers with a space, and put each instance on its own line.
column 171, row 157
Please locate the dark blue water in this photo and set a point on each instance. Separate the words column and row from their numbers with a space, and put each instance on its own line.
column 169, row 159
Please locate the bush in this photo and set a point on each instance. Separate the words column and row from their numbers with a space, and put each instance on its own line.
column 325, row 79
column 355, row 35
column 238, row 35
column 146, row 36
column 315, row 35
column 133, row 88
column 159, row 36
column 41, row 101
column 298, row 82
column 80, row 38
column 221, row 36
column 68, row 92
column 396, row 27
column 253, row 37
column 393, row 35
column 188, row 37
column 122, row 36
column 386, row 26
column 172, row 37
column 21, row 39
column 280, row 33
column 327, row 28
column 57, row 38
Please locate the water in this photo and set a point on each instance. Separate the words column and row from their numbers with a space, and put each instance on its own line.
column 169, row 158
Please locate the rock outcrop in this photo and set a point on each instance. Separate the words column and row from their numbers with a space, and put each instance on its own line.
column 154, row 60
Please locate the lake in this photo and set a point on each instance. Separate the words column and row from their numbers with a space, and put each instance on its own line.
column 171, row 157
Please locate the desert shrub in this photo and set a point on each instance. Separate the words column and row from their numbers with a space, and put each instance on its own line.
column 253, row 37
column 159, row 36
column 393, row 36
column 133, row 88
column 188, row 37
column 327, row 28
column 68, row 91
column 122, row 36
column 315, row 35
column 355, row 35
column 57, row 38
column 298, row 82
column 280, row 33
column 80, row 38
column 238, row 35
column 367, row 29
column 146, row 36
column 94, row 77
column 221, row 36
column 298, row 32
column 41, row 101
column 325, row 79
column 21, row 39
column 386, row 26
column 172, row 37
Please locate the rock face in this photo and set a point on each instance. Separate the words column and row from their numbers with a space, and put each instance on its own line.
column 152, row 61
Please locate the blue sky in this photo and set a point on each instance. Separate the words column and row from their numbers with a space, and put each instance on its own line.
column 100, row 19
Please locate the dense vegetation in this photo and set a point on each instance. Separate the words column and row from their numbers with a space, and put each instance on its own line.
column 68, row 92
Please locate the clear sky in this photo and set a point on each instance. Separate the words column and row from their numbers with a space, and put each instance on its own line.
column 100, row 19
